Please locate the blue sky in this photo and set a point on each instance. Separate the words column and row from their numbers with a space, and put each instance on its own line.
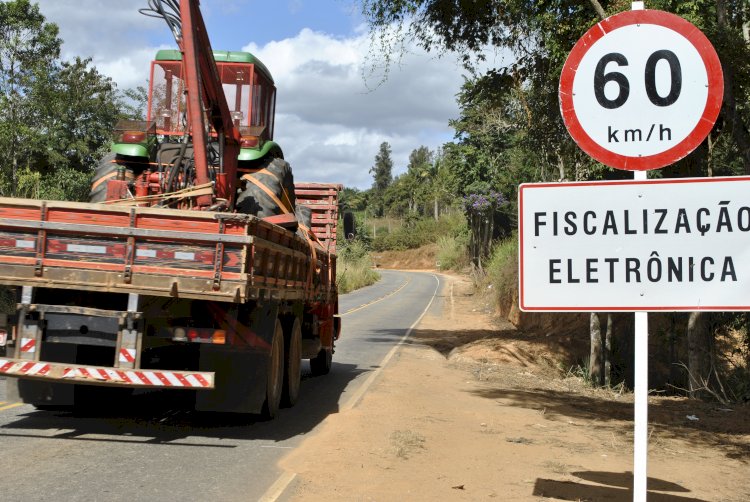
column 330, row 119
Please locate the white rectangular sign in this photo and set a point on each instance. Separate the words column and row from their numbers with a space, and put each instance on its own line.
column 671, row 244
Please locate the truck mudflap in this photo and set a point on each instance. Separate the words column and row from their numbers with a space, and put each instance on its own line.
column 100, row 375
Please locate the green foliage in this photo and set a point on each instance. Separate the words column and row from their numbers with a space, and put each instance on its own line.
column 132, row 103
column 56, row 117
column 354, row 267
column 28, row 48
column 417, row 232
column 352, row 199
column 382, row 177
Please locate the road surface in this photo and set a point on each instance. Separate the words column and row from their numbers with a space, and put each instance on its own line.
column 164, row 453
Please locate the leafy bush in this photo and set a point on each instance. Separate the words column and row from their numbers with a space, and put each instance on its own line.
column 420, row 231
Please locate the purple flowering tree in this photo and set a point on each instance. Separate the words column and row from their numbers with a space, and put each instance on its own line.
column 480, row 211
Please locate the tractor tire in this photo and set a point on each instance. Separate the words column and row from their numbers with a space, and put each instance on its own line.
column 275, row 374
column 321, row 364
column 293, row 363
column 253, row 200
column 106, row 171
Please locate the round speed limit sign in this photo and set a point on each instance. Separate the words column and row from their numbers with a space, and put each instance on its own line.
column 641, row 90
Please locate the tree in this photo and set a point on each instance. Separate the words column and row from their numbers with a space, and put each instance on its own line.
column 56, row 118
column 382, row 177
column 28, row 48
column 81, row 110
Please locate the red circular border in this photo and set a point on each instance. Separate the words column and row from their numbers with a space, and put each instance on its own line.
column 706, row 122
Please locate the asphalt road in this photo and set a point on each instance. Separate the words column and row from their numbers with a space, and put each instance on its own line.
column 162, row 453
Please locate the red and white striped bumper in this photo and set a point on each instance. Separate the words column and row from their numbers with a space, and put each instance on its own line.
column 97, row 375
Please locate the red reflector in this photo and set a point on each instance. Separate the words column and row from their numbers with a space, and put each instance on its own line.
column 249, row 142
column 192, row 334
column 133, row 137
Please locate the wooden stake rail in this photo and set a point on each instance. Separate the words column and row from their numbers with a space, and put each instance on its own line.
column 322, row 198
column 152, row 251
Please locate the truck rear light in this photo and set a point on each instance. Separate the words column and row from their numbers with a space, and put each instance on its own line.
column 199, row 335
column 219, row 337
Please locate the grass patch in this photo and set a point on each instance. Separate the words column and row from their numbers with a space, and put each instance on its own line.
column 452, row 252
column 354, row 268
column 406, row 442
column 502, row 268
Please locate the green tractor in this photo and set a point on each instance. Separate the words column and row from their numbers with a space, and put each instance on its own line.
column 154, row 156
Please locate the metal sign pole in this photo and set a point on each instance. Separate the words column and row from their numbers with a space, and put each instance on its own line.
column 640, row 412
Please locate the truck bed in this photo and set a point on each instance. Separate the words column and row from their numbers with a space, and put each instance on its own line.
column 154, row 251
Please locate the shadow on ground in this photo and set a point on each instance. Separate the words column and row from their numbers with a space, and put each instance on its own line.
column 617, row 487
column 717, row 426
column 166, row 419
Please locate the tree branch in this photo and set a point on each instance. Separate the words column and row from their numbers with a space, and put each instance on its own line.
column 598, row 8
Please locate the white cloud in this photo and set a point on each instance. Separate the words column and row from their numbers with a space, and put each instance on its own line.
column 330, row 124
column 114, row 34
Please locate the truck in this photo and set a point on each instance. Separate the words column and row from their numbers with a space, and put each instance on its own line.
column 197, row 266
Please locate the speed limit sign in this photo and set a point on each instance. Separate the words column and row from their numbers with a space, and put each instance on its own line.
column 641, row 90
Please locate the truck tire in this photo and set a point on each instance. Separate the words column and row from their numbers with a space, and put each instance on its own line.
column 106, row 171
column 275, row 374
column 293, row 363
column 321, row 364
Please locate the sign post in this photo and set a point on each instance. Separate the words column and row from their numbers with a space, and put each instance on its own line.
column 640, row 90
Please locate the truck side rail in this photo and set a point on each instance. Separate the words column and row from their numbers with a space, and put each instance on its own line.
column 155, row 251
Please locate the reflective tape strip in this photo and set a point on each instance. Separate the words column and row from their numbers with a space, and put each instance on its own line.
column 28, row 345
column 173, row 380
column 152, row 378
column 180, row 255
column 145, row 253
column 23, row 368
column 127, row 356
column 25, row 244
column 79, row 248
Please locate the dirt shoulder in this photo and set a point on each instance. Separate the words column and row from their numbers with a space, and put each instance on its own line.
column 470, row 410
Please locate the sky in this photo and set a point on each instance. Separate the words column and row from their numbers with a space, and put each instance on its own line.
column 330, row 119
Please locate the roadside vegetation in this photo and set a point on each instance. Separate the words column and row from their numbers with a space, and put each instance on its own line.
column 354, row 268
column 509, row 131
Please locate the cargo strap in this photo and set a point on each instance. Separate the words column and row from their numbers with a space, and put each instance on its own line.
column 285, row 207
column 205, row 189
column 311, row 242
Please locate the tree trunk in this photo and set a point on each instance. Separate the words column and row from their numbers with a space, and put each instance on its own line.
column 598, row 8
column 699, row 361
column 732, row 115
column 436, row 209
column 595, row 358
column 608, row 352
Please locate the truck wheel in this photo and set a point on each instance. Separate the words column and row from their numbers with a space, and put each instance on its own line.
column 107, row 170
column 321, row 364
column 275, row 374
column 293, row 364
